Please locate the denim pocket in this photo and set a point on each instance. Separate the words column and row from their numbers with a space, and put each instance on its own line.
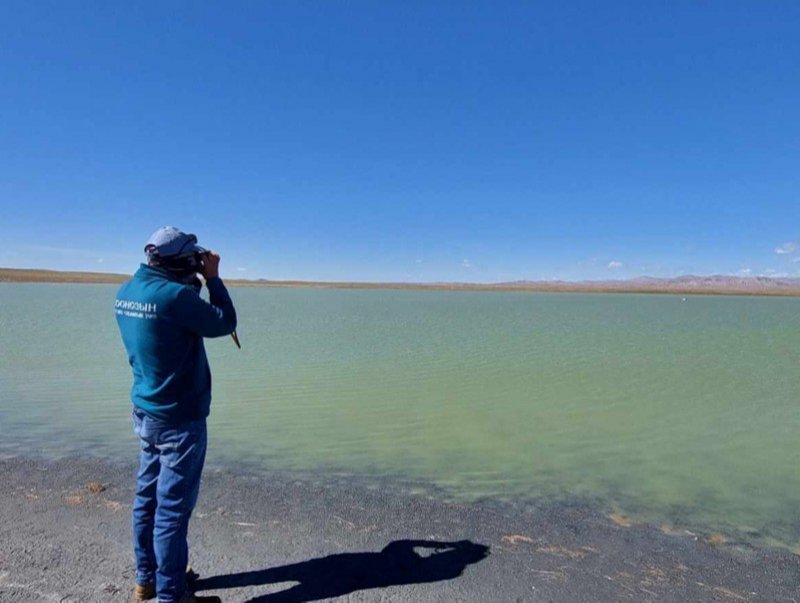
column 178, row 447
column 137, row 422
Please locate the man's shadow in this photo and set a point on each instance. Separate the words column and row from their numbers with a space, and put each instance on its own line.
column 400, row 562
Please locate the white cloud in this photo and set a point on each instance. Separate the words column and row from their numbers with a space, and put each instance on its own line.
column 241, row 270
column 466, row 264
column 772, row 273
column 744, row 272
column 786, row 248
column 614, row 265
column 99, row 260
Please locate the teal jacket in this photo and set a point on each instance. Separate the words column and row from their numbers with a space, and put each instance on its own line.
column 162, row 322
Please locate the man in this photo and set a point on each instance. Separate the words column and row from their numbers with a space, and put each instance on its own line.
column 162, row 320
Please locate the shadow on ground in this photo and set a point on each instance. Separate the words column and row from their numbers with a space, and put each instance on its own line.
column 400, row 562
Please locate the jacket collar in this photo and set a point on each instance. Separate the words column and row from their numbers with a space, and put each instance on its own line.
column 152, row 272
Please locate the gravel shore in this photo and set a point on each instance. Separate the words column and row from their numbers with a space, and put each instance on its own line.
column 65, row 533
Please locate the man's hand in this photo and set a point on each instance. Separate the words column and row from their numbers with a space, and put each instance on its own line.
column 210, row 266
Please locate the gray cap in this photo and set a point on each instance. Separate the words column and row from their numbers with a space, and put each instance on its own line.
column 169, row 241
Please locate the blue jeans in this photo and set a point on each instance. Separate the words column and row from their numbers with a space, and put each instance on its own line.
column 170, row 464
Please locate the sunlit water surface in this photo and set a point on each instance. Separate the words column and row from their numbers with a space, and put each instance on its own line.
column 672, row 411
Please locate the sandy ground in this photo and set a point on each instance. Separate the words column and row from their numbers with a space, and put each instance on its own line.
column 65, row 536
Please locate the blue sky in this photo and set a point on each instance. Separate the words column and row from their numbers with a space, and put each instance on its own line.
column 407, row 141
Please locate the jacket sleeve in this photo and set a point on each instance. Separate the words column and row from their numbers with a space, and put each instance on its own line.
column 193, row 313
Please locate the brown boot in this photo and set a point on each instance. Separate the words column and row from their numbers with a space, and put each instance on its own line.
column 148, row 591
column 144, row 592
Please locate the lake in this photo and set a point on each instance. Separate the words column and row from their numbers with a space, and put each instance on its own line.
column 674, row 411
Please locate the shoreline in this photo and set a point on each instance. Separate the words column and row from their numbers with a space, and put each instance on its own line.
column 275, row 537
column 776, row 288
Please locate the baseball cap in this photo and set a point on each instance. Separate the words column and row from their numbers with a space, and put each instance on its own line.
column 169, row 241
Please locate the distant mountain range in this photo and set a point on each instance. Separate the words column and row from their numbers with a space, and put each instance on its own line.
column 688, row 284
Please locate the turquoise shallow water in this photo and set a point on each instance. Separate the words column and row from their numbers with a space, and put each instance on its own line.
column 679, row 412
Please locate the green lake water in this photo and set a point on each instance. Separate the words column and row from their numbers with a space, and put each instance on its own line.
column 671, row 411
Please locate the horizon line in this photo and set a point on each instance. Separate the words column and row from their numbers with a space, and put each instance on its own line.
column 716, row 284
